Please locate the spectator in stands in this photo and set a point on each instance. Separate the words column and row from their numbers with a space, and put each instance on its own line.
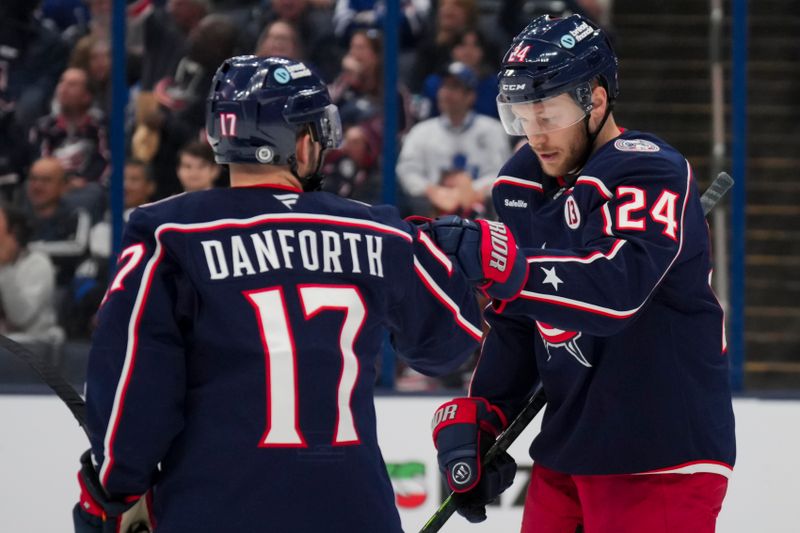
column 510, row 23
column 448, row 163
column 353, row 170
column 280, row 38
column 352, row 15
column 92, row 276
column 197, row 169
column 174, row 113
column 472, row 49
column 358, row 90
column 314, row 23
column 27, row 287
column 75, row 134
column 139, row 186
column 453, row 17
column 93, row 55
column 165, row 27
column 59, row 230
column 33, row 57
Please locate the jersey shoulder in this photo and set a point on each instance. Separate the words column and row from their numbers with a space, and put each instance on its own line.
column 386, row 215
column 521, row 170
column 633, row 156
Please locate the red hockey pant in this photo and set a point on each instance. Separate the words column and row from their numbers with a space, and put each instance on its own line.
column 654, row 503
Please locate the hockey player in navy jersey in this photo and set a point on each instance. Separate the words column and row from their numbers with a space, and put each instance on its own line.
column 616, row 317
column 231, row 375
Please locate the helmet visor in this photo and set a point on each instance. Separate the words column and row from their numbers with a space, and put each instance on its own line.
column 539, row 117
column 330, row 127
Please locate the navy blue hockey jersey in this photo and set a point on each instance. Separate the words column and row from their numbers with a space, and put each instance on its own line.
column 235, row 356
column 617, row 317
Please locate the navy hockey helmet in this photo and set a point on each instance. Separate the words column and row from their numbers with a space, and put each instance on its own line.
column 553, row 56
column 257, row 107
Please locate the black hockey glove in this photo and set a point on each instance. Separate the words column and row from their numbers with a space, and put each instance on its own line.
column 97, row 513
column 463, row 431
column 485, row 251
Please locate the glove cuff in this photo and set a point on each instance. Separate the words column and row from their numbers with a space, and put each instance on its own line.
column 504, row 268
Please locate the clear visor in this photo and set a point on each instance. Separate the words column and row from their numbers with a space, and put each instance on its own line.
column 331, row 127
column 540, row 116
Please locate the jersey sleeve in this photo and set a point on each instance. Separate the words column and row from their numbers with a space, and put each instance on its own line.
column 136, row 374
column 434, row 318
column 506, row 372
column 634, row 234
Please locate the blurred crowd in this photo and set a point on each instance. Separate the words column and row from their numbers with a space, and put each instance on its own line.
column 55, row 105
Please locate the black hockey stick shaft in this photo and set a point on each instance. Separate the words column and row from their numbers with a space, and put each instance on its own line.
column 50, row 375
column 721, row 184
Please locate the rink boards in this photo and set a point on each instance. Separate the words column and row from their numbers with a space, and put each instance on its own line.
column 41, row 443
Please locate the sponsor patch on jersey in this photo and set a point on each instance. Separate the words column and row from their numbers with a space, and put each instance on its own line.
column 515, row 203
column 571, row 213
column 635, row 145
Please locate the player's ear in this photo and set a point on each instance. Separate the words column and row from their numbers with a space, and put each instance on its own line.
column 303, row 148
column 599, row 105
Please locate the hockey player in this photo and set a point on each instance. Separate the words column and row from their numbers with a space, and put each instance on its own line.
column 616, row 318
column 232, row 371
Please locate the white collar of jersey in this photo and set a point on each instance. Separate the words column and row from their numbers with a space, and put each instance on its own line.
column 468, row 120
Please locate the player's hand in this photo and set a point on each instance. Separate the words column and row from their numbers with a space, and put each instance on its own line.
column 96, row 512
column 485, row 251
column 463, row 431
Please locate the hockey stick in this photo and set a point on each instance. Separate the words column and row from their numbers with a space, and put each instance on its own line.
column 134, row 520
column 708, row 200
column 52, row 378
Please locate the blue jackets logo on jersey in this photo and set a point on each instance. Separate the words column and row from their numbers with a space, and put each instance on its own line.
column 558, row 338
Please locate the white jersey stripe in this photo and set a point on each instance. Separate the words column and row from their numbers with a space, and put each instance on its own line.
column 436, row 252
column 604, row 191
column 130, row 356
column 694, row 468
column 594, row 256
column 285, row 217
column 510, row 180
column 473, row 330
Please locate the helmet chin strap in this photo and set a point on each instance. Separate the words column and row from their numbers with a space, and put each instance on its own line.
column 592, row 136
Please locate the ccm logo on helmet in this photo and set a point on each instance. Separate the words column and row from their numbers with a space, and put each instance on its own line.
column 513, row 86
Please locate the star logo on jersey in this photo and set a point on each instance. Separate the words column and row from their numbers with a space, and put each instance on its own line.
column 551, row 277
column 287, row 199
column 558, row 338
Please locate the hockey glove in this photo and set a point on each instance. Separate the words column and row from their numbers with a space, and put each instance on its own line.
column 463, row 431
column 97, row 513
column 486, row 253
